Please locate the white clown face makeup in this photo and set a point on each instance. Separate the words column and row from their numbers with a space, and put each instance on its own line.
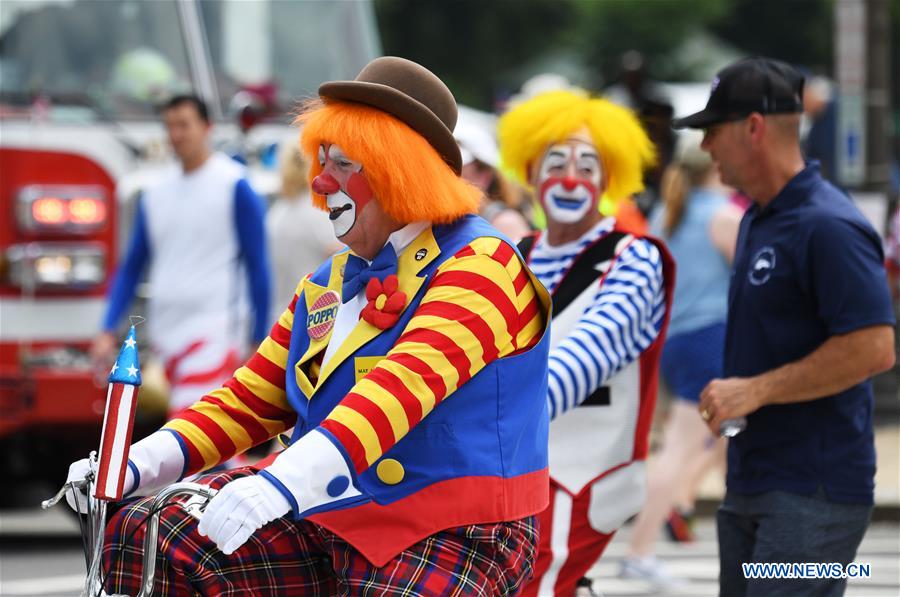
column 344, row 186
column 569, row 179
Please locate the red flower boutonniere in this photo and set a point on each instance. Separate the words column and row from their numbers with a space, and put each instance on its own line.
column 385, row 302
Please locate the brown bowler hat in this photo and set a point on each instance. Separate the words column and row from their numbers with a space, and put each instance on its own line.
column 410, row 92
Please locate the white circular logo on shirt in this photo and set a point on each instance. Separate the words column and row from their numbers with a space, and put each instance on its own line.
column 761, row 266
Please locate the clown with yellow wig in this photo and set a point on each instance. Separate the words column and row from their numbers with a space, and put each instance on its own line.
column 412, row 369
column 611, row 293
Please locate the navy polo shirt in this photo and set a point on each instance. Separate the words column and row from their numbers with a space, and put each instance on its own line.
column 807, row 267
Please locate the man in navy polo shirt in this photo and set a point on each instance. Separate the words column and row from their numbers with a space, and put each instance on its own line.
column 809, row 321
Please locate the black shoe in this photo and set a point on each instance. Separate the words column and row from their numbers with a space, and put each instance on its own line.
column 584, row 588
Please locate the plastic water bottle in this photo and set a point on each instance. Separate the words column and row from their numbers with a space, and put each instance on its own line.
column 731, row 427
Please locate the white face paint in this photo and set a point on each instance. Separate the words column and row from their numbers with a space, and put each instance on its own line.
column 569, row 181
column 341, row 177
column 341, row 212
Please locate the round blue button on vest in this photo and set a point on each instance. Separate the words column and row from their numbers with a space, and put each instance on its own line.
column 337, row 486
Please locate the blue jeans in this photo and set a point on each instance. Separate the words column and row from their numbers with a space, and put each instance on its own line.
column 777, row 526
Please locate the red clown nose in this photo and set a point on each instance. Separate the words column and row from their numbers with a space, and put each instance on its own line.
column 325, row 184
column 569, row 183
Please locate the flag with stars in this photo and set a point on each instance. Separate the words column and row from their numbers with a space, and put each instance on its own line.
column 121, row 403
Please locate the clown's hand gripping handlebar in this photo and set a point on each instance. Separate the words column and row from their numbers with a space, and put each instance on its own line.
column 93, row 526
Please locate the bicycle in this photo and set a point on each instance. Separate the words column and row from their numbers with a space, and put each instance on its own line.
column 93, row 526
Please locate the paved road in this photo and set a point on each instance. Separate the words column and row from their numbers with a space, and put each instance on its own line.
column 697, row 564
column 40, row 555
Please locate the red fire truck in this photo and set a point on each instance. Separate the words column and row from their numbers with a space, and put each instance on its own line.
column 80, row 137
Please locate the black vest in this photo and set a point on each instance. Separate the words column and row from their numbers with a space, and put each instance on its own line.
column 582, row 274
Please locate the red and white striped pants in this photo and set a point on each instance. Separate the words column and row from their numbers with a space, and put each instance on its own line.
column 569, row 546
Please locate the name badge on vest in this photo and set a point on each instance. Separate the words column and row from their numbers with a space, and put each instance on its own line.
column 321, row 316
column 363, row 365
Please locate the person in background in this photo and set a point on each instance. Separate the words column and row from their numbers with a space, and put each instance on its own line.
column 300, row 235
column 502, row 202
column 653, row 106
column 699, row 225
column 611, row 293
column 200, row 232
column 627, row 213
column 819, row 138
column 892, row 255
column 809, row 323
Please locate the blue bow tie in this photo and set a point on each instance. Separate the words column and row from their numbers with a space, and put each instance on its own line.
column 357, row 272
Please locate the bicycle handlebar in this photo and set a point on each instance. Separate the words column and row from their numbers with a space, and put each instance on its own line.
column 148, row 571
column 97, row 513
column 71, row 485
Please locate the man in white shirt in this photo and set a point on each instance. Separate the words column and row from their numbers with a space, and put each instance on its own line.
column 199, row 230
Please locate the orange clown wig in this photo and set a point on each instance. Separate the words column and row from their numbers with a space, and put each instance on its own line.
column 406, row 174
column 527, row 130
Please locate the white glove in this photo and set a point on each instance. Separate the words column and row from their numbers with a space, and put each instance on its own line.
column 239, row 509
column 78, row 470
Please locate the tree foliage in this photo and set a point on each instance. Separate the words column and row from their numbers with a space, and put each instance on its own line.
column 485, row 47
column 797, row 31
column 606, row 29
column 469, row 43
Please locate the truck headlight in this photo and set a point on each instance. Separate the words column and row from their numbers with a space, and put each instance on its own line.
column 56, row 265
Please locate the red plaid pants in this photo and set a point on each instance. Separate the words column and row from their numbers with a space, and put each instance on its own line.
column 287, row 557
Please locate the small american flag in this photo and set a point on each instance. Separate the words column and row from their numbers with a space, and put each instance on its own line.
column 121, row 402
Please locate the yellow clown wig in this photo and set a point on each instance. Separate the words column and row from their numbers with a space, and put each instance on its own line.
column 408, row 177
column 526, row 131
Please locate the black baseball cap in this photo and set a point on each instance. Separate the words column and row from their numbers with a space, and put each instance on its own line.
column 750, row 85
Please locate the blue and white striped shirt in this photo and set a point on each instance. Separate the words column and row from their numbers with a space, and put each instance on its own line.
column 624, row 318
